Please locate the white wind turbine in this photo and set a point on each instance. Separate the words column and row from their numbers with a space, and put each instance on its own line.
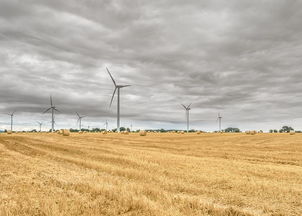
column 53, row 109
column 11, row 120
column 40, row 125
column 118, row 88
column 187, row 108
column 219, row 118
column 80, row 120
column 106, row 125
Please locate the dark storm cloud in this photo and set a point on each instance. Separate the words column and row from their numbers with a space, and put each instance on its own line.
column 240, row 58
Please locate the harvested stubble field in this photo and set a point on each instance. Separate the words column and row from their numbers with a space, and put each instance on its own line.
column 160, row 174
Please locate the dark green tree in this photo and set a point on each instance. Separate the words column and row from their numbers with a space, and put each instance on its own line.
column 122, row 129
column 232, row 130
column 286, row 129
column 95, row 129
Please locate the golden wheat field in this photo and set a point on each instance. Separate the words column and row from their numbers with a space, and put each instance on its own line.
column 159, row 174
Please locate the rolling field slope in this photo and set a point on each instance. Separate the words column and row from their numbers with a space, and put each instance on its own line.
column 160, row 174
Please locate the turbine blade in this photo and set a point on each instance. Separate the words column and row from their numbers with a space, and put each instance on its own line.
column 47, row 110
column 111, row 77
column 78, row 114
column 51, row 100
column 189, row 105
column 123, row 86
column 184, row 106
column 112, row 97
column 57, row 110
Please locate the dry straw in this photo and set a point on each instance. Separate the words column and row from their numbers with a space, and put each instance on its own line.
column 60, row 131
column 143, row 133
column 66, row 132
column 292, row 132
column 253, row 132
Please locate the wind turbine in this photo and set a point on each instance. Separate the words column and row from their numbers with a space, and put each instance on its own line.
column 106, row 125
column 53, row 109
column 80, row 120
column 219, row 120
column 11, row 120
column 40, row 125
column 187, row 108
column 118, row 88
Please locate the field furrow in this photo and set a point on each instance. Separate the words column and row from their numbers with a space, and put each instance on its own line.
column 160, row 174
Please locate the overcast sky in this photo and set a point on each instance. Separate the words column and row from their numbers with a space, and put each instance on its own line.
column 241, row 58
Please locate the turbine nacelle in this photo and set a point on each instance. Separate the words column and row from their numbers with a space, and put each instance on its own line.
column 11, row 114
column 219, row 116
column 80, row 117
column 52, row 106
column 186, row 107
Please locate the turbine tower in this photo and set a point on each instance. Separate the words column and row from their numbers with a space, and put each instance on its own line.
column 80, row 120
column 118, row 88
column 219, row 120
column 53, row 109
column 187, row 108
column 11, row 120
column 40, row 125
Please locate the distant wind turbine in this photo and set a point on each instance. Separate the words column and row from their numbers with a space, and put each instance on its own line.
column 40, row 125
column 117, row 87
column 80, row 120
column 106, row 125
column 53, row 109
column 219, row 121
column 187, row 108
column 11, row 120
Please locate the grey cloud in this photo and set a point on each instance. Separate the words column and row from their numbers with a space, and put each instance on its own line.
column 240, row 58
